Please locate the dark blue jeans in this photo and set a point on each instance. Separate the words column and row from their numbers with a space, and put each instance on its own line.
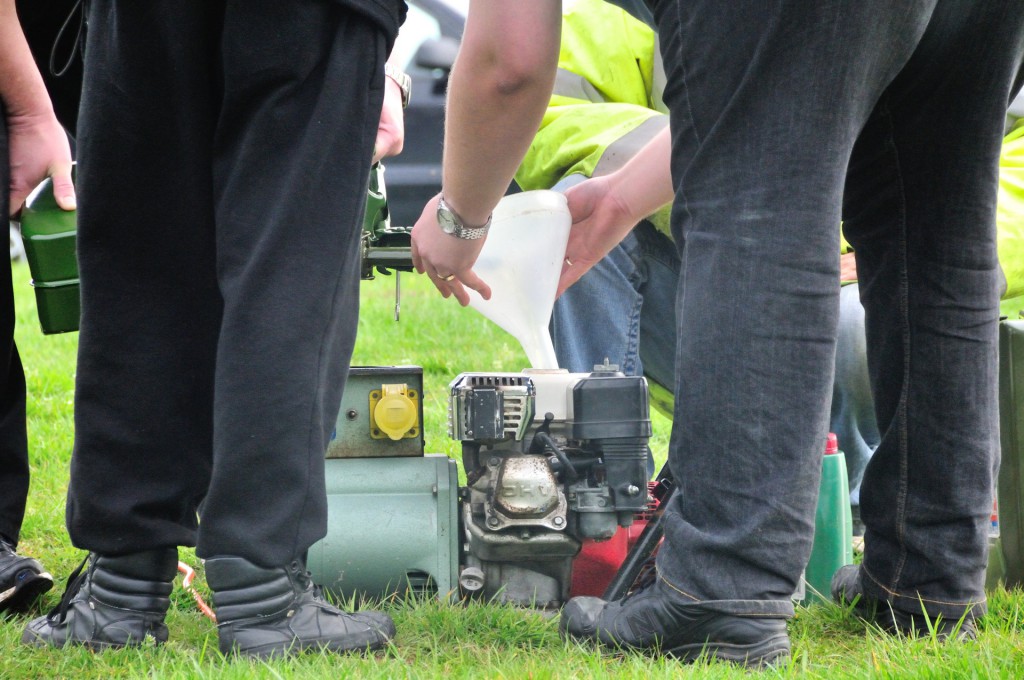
column 788, row 116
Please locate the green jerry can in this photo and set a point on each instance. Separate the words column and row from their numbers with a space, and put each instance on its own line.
column 50, row 237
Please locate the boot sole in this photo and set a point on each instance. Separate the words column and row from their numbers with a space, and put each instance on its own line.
column 20, row 597
column 43, row 637
column 35, row 640
column 755, row 655
column 296, row 647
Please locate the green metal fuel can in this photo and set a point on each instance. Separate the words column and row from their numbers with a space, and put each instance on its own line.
column 50, row 237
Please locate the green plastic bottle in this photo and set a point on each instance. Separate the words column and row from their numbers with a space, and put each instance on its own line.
column 833, row 525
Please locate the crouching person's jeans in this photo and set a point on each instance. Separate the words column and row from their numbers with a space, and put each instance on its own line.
column 853, row 409
column 623, row 308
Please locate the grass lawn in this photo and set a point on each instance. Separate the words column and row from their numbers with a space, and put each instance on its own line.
column 463, row 641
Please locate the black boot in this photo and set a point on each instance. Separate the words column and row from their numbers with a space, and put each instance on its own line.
column 22, row 579
column 263, row 612
column 116, row 602
column 847, row 590
column 657, row 620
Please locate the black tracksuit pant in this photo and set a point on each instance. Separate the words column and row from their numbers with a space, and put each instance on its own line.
column 224, row 151
column 41, row 22
column 13, row 439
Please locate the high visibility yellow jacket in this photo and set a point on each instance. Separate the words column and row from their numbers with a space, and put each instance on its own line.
column 607, row 100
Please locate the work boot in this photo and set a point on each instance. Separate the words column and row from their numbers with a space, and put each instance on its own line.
column 118, row 601
column 847, row 589
column 266, row 612
column 658, row 620
column 22, row 579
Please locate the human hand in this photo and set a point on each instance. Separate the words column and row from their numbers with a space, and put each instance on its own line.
column 38, row 149
column 599, row 221
column 391, row 129
column 446, row 259
column 847, row 267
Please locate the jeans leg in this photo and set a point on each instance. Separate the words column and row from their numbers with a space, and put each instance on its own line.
column 764, row 115
column 853, row 409
column 920, row 211
column 658, row 316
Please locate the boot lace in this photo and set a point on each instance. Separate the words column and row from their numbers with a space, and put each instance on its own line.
column 60, row 613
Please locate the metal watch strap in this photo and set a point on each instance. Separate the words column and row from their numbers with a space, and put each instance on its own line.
column 471, row 233
column 401, row 79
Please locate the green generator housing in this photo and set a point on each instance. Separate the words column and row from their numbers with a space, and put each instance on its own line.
column 391, row 509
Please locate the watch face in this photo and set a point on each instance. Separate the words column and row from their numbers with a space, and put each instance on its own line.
column 446, row 219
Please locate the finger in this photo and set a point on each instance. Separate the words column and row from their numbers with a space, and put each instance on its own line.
column 571, row 273
column 460, row 292
column 566, row 280
column 417, row 261
column 15, row 202
column 442, row 283
column 469, row 279
column 443, row 288
column 450, row 285
column 64, row 188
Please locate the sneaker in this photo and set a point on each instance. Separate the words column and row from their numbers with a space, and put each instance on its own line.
column 22, row 580
column 656, row 620
column 848, row 591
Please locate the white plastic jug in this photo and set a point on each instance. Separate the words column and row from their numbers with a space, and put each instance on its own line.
column 521, row 262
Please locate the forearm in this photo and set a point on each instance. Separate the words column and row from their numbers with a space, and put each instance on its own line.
column 498, row 92
column 21, row 87
column 644, row 184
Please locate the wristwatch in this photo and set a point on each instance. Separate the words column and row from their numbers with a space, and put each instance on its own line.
column 401, row 79
column 452, row 224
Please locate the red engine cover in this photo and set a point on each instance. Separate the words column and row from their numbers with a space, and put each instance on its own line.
column 598, row 561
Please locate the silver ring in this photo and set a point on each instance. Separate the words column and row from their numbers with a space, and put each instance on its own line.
column 448, row 278
column 568, row 261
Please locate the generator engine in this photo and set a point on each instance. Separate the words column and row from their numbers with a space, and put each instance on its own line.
column 551, row 458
